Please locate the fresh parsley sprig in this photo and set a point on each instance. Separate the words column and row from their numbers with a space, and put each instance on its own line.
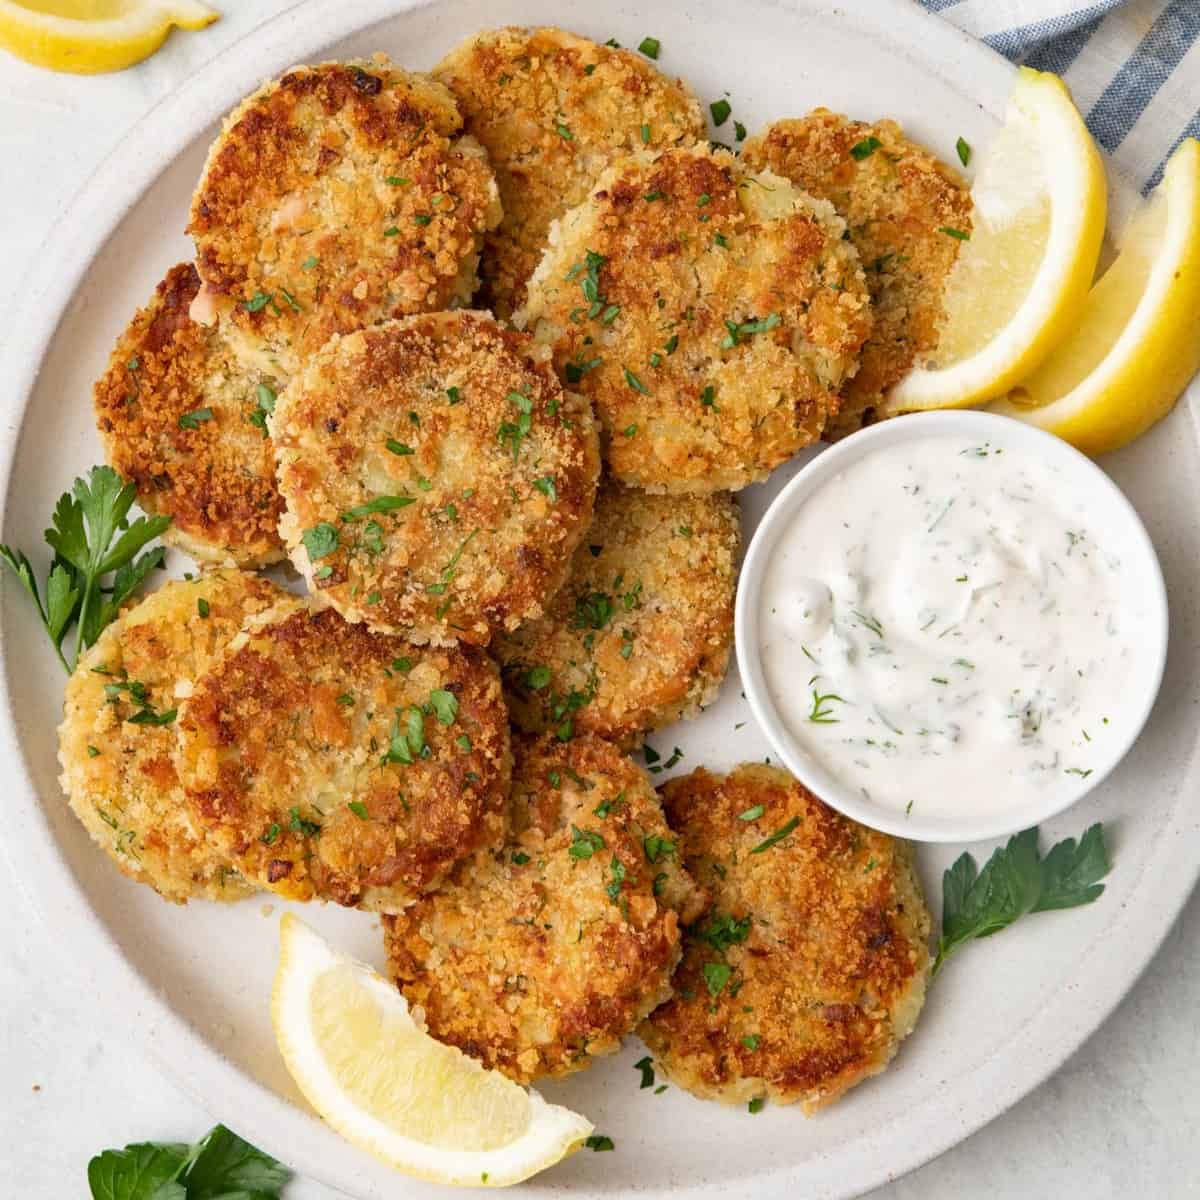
column 1016, row 880
column 221, row 1166
column 92, row 538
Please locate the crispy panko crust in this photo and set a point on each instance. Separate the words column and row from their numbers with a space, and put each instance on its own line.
column 214, row 473
column 640, row 633
column 553, row 110
column 335, row 197
column 492, row 472
column 334, row 763
column 810, row 966
column 119, row 773
column 897, row 199
column 711, row 315
column 540, row 956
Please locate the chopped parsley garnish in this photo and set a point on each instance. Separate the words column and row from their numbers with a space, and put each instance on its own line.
column 593, row 610
column 264, row 406
column 423, row 218
column 719, row 239
column 865, row 148
column 777, row 836
column 195, row 418
column 444, row 705
column 650, row 197
column 755, row 1105
column 359, row 809
column 645, row 135
column 271, row 836
column 310, row 262
column 453, row 395
column 735, row 332
column 716, row 976
column 613, row 890
column 646, row 1066
column 400, row 448
column 513, row 433
column 656, row 847
column 960, row 234
column 391, row 231
column 406, row 741
column 396, row 180
column 403, row 665
column 751, row 1041
column 563, row 132
column 301, row 825
column 635, row 383
column 599, row 1141
column 584, row 843
column 752, row 814
column 739, row 131
column 258, row 301
column 93, row 752
column 720, row 110
column 722, row 930
column 378, row 505
column 520, row 858
column 964, row 151
column 545, row 485
column 708, row 398
column 649, row 47
column 537, row 678
column 320, row 541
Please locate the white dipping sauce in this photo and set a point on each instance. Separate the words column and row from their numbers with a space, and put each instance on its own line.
column 945, row 630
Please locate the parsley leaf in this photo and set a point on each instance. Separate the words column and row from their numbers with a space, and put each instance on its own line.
column 221, row 1166
column 91, row 537
column 1016, row 880
column 445, row 706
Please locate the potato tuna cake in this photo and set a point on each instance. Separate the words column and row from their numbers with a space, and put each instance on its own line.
column 117, row 739
column 810, row 966
column 538, row 957
column 640, row 633
column 336, row 764
column 335, row 197
column 181, row 419
column 437, row 477
column 553, row 110
column 712, row 316
column 907, row 214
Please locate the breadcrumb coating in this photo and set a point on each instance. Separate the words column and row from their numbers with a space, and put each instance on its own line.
column 334, row 763
column 809, row 967
column 436, row 475
column 334, row 197
column 184, row 421
column 712, row 315
column 538, row 957
column 898, row 201
column 640, row 633
column 553, row 110
column 118, row 736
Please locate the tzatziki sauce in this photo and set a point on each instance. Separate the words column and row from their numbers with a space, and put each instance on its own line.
column 945, row 628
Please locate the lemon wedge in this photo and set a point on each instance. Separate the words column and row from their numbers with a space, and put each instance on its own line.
column 366, row 1065
column 1022, row 278
column 88, row 37
column 1138, row 341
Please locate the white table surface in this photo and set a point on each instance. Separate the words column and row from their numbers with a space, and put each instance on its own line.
column 1119, row 1120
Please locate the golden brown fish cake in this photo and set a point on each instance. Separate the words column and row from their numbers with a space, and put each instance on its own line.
column 539, row 956
column 553, row 110
column 711, row 315
column 334, row 763
column 184, row 421
column 810, row 966
column 640, row 633
column 898, row 200
column 437, row 477
column 337, row 196
column 117, row 739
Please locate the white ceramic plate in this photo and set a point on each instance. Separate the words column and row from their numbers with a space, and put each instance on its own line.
column 192, row 985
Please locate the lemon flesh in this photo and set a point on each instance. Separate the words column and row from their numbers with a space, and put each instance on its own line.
column 373, row 1073
column 1022, row 278
column 1137, row 343
column 88, row 37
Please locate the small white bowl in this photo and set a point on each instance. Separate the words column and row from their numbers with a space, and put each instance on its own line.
column 1114, row 513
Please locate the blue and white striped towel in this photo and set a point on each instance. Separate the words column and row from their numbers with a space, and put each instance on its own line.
column 1133, row 66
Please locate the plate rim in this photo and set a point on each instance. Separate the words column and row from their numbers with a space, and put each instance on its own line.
column 44, row 876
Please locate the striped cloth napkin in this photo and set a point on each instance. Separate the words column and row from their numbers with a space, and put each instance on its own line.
column 1133, row 66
